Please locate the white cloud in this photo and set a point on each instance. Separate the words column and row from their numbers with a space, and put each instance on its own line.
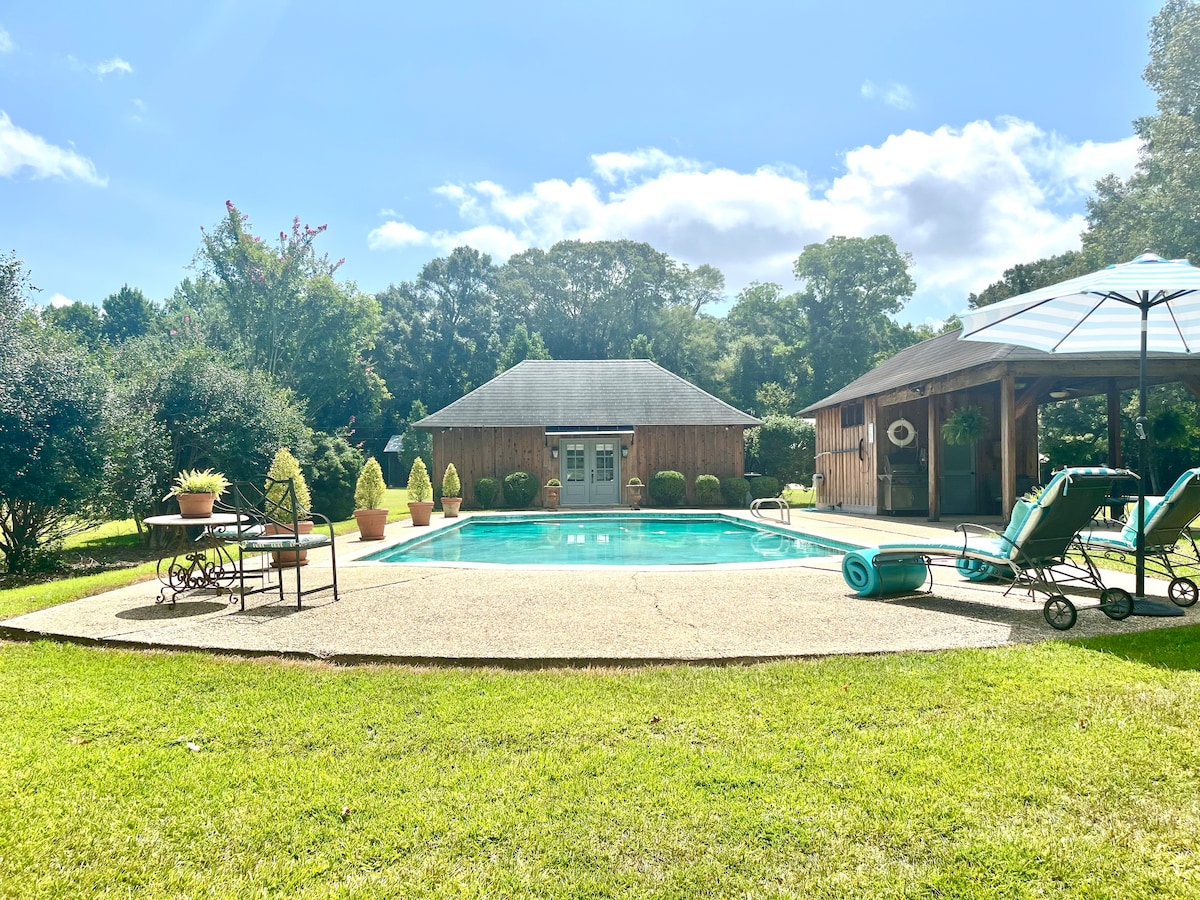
column 19, row 149
column 896, row 95
column 967, row 203
column 59, row 300
column 6, row 42
column 116, row 64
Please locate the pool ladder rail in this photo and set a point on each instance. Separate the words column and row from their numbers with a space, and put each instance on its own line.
column 772, row 504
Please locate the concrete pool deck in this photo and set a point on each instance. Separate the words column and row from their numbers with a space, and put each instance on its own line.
column 547, row 615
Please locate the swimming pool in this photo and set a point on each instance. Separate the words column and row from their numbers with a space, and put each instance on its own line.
column 609, row 539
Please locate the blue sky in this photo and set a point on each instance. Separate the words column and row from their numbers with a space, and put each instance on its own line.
column 725, row 133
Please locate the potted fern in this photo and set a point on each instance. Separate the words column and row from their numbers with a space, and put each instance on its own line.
column 965, row 426
column 197, row 491
column 451, row 492
column 369, row 511
column 285, row 466
column 420, row 493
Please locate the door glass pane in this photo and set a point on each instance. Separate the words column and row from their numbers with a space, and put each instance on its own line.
column 575, row 462
column 605, row 455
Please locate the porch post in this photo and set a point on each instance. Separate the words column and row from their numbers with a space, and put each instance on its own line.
column 1008, row 444
column 1114, row 424
column 933, row 446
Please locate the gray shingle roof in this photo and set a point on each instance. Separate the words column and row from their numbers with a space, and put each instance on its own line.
column 586, row 392
column 945, row 355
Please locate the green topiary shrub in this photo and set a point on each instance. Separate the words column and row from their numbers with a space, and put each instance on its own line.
column 708, row 490
column 486, row 492
column 451, row 486
column 764, row 487
column 419, row 488
column 734, row 491
column 284, row 465
column 368, row 492
column 519, row 489
column 668, row 488
column 332, row 474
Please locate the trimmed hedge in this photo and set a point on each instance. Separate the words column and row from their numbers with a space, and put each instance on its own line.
column 764, row 487
column 734, row 491
column 519, row 489
column 708, row 490
column 668, row 488
column 486, row 492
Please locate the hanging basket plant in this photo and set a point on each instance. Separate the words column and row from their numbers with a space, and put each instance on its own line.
column 965, row 426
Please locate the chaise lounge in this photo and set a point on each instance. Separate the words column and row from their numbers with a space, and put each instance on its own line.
column 1032, row 551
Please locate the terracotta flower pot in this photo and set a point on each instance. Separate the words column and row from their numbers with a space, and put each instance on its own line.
column 450, row 506
column 371, row 523
column 635, row 495
column 288, row 559
column 553, row 492
column 196, row 506
column 421, row 511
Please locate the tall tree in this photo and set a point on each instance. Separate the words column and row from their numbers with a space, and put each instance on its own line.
column 127, row 314
column 1025, row 277
column 1158, row 207
column 849, row 289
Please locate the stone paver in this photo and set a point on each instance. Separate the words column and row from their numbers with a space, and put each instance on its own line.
column 548, row 615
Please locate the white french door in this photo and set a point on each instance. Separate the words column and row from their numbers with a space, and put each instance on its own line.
column 590, row 471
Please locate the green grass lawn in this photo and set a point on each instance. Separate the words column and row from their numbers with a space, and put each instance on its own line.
column 1061, row 769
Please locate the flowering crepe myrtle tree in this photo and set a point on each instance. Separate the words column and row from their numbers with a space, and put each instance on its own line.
column 281, row 311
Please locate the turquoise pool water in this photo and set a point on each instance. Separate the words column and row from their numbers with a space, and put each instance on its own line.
column 590, row 539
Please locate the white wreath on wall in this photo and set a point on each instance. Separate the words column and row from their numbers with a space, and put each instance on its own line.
column 902, row 433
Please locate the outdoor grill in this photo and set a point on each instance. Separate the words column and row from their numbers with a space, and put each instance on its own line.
column 904, row 484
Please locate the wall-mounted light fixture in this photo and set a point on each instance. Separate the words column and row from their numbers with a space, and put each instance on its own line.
column 919, row 390
column 1060, row 394
column 624, row 451
column 554, row 452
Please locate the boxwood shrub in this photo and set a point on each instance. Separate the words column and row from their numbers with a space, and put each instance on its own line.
column 668, row 488
column 764, row 487
column 734, row 491
column 519, row 489
column 486, row 492
column 708, row 490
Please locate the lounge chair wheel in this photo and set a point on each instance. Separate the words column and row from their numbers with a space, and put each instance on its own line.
column 1116, row 603
column 1060, row 613
column 1183, row 591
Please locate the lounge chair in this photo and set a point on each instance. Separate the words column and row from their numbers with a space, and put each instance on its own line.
column 1169, row 542
column 1032, row 550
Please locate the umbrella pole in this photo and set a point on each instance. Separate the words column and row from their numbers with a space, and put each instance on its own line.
column 1139, row 593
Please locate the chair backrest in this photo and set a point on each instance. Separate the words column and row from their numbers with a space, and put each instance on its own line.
column 1166, row 518
column 271, row 502
column 1066, row 505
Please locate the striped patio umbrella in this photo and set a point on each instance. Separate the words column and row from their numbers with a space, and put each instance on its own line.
column 1149, row 304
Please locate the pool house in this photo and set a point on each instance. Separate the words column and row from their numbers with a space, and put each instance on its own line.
column 593, row 424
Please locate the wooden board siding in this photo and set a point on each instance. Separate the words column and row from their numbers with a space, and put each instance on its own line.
column 693, row 450
column 850, row 483
column 495, row 452
column 491, row 453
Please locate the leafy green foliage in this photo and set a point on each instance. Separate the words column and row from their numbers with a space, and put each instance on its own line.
column 783, row 447
column 127, row 314
column 667, row 487
column 708, row 490
column 283, row 466
column 451, row 486
column 965, row 426
column 734, row 490
column 419, row 488
column 519, row 489
column 486, row 492
column 766, row 486
column 54, row 441
column 195, row 481
column 332, row 472
column 369, row 490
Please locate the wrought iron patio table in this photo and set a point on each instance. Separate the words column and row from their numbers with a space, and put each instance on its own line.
column 185, row 564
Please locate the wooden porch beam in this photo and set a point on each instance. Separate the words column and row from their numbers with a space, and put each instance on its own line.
column 1008, row 444
column 933, row 446
column 1030, row 394
column 1114, row 424
column 1192, row 383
